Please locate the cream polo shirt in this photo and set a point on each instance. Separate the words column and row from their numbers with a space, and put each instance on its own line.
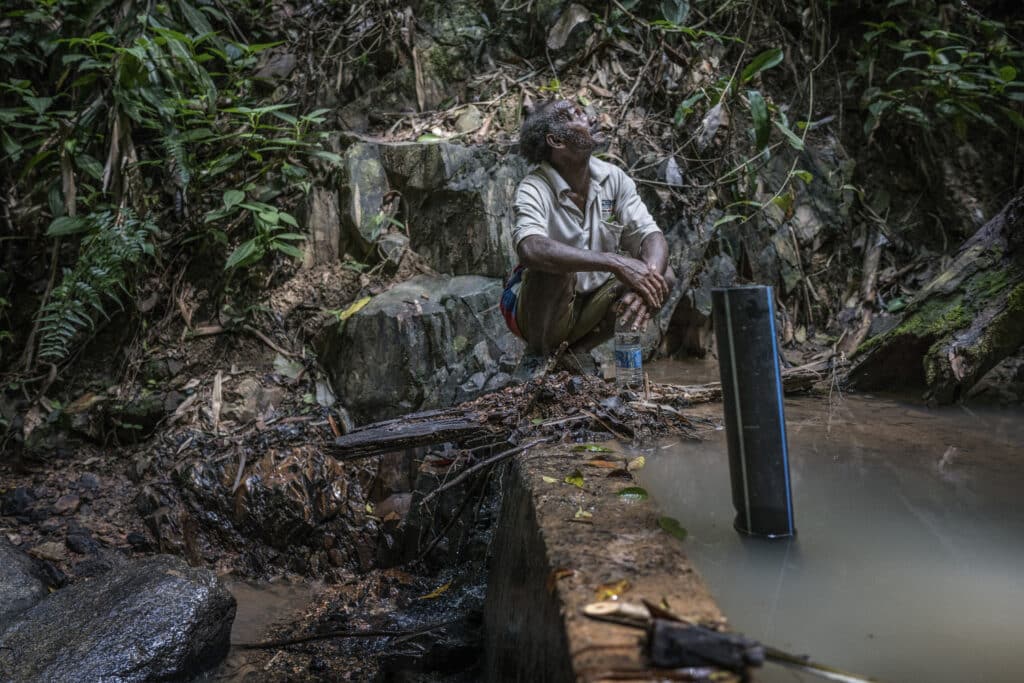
column 615, row 218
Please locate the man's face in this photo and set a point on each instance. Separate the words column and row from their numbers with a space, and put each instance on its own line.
column 575, row 128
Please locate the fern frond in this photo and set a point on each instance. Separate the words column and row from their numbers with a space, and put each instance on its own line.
column 177, row 157
column 105, row 263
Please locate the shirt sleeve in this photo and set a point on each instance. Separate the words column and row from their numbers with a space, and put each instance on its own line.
column 531, row 217
column 633, row 214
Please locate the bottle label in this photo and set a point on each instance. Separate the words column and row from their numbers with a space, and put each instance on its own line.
column 628, row 358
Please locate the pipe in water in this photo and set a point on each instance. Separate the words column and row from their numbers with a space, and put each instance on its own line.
column 748, row 355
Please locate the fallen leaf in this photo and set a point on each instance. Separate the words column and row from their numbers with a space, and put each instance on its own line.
column 369, row 508
column 583, row 514
column 611, row 591
column 606, row 464
column 436, row 593
column 620, row 473
column 557, row 575
column 633, row 494
column 576, row 479
column 636, row 463
column 590, row 448
column 353, row 309
column 287, row 368
column 672, row 525
column 549, row 480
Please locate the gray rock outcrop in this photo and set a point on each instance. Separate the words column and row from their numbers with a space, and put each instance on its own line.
column 427, row 342
column 457, row 202
column 155, row 620
column 21, row 582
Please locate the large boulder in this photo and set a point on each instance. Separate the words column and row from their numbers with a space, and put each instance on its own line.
column 457, row 202
column 155, row 620
column 22, row 584
column 427, row 342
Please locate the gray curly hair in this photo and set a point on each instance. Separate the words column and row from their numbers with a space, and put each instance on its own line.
column 542, row 119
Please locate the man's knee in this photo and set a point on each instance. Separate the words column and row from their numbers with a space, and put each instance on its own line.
column 544, row 310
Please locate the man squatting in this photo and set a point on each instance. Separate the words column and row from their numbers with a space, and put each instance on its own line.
column 579, row 221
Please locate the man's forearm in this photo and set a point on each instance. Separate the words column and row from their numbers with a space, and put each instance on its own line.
column 654, row 252
column 551, row 256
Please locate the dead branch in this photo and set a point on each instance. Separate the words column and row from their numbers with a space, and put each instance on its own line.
column 469, row 471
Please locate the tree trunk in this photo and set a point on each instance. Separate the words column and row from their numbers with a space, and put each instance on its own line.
column 962, row 324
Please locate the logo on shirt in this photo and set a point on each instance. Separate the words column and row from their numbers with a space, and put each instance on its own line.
column 607, row 208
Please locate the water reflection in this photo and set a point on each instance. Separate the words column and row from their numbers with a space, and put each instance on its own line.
column 907, row 563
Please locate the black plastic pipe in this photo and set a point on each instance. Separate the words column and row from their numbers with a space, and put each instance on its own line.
column 755, row 425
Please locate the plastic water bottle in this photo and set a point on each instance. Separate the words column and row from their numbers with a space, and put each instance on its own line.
column 629, row 361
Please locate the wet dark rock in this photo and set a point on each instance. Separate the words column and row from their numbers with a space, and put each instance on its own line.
column 83, row 544
column 156, row 619
column 100, row 563
column 138, row 541
column 17, row 501
column 88, row 482
column 22, row 581
column 147, row 500
column 407, row 349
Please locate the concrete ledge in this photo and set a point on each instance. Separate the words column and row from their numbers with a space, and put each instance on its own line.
column 547, row 565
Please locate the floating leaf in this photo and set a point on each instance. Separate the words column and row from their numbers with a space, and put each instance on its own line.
column 549, row 480
column 633, row 494
column 636, row 463
column 606, row 464
column 582, row 514
column 672, row 525
column 611, row 591
column 576, row 479
column 436, row 593
column 591, row 448
column 353, row 309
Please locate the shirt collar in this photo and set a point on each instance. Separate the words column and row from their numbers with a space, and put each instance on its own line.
column 598, row 173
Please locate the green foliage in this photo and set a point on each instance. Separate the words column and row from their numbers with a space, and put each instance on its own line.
column 113, row 245
column 914, row 71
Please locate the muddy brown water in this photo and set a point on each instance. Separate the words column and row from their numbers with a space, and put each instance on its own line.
column 259, row 607
column 908, row 564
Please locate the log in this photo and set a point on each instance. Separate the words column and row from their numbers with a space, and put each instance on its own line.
column 418, row 429
column 961, row 324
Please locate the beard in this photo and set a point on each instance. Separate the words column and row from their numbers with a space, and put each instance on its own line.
column 583, row 141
